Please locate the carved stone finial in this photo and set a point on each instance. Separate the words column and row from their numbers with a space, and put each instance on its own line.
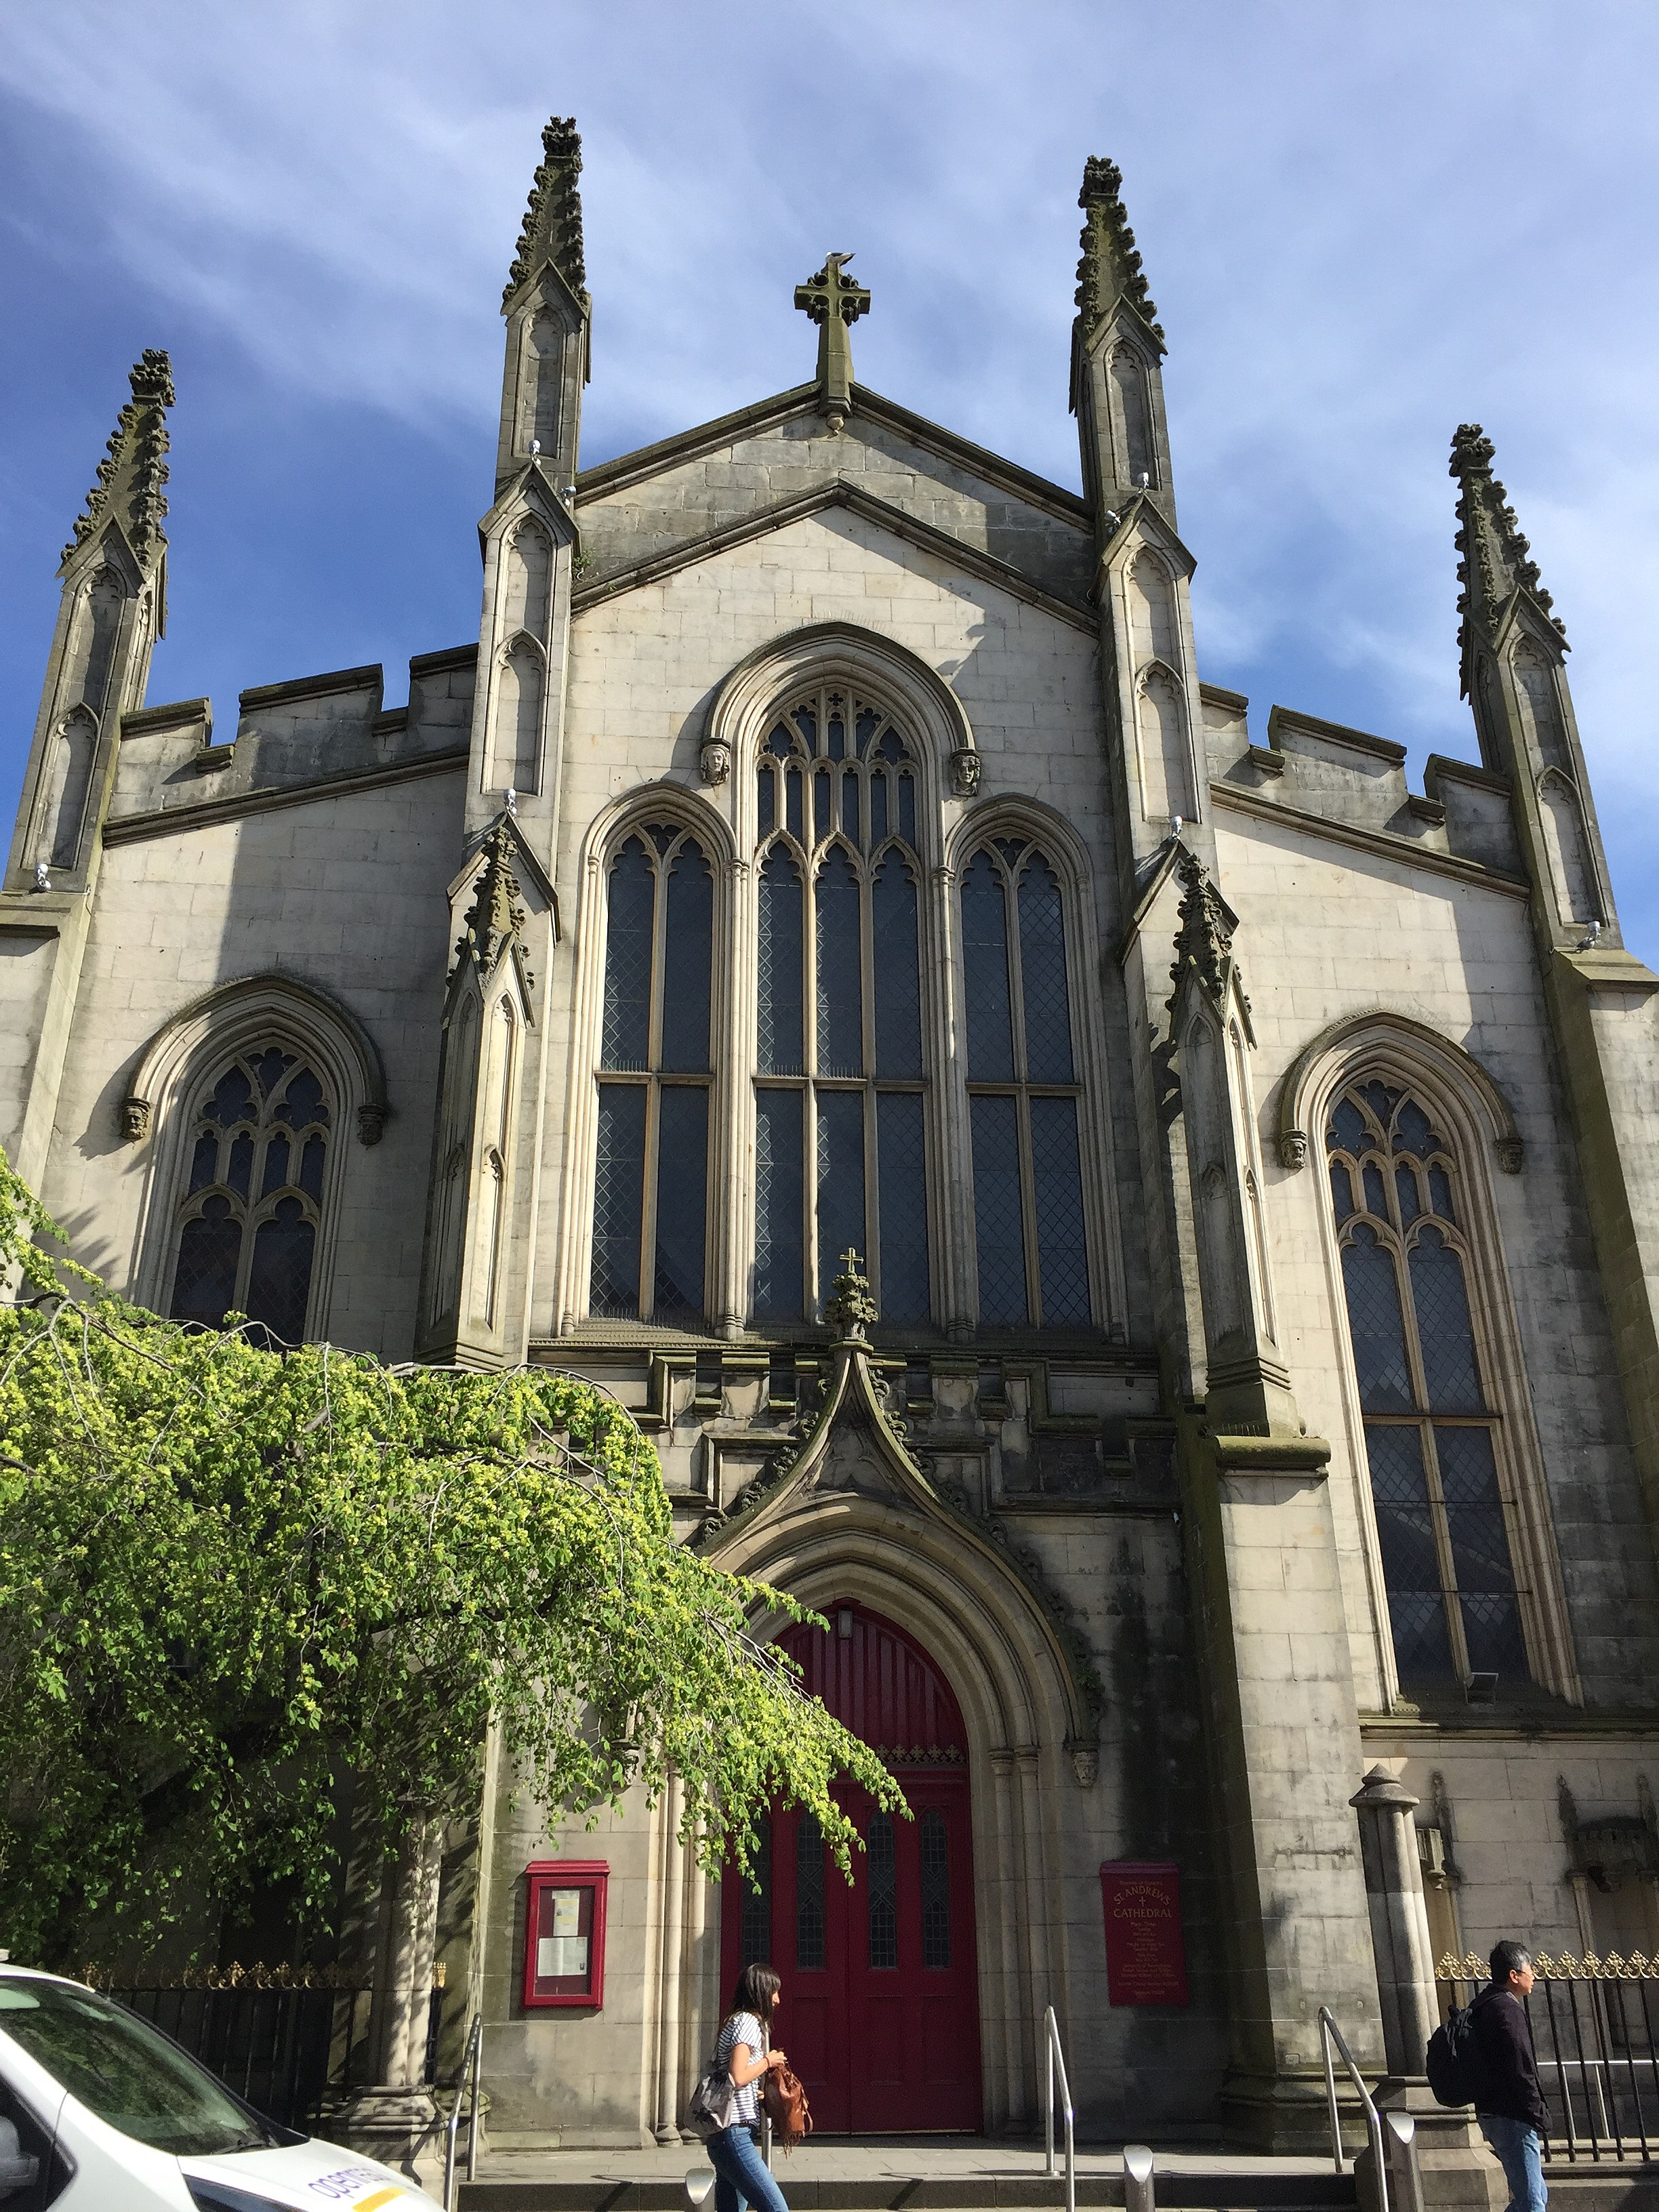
column 135, row 1119
column 1110, row 268
column 552, row 227
column 1495, row 561
column 1204, row 942
column 129, row 489
column 964, row 772
column 833, row 301
column 850, row 1308
column 714, row 762
column 497, row 914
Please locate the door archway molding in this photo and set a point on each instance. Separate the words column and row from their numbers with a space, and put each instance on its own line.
column 853, row 1517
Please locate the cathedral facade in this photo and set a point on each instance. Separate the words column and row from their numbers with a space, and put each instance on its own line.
column 1146, row 1222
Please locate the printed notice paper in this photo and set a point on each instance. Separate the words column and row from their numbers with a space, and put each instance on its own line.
column 561, row 1955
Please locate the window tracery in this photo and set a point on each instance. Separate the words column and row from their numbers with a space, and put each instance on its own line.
column 1434, row 1429
column 840, row 1072
column 250, row 1219
column 650, row 1190
column 1023, row 1089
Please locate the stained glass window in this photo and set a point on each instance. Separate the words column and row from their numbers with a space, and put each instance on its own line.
column 934, row 1839
column 1023, row 1089
column 841, row 1074
column 882, row 1873
column 651, row 1160
column 756, row 1932
column 809, row 1894
column 252, row 1213
column 1433, row 1436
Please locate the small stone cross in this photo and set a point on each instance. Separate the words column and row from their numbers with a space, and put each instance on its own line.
column 850, row 1261
column 834, row 302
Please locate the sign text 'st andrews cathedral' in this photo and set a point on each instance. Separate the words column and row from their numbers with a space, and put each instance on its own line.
column 1262, row 1213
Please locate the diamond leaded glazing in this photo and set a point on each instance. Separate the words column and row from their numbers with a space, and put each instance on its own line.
column 1434, row 1443
column 840, row 1035
column 247, row 1240
column 651, row 1160
column 1022, row 1069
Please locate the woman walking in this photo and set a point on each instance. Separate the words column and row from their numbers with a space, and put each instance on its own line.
column 740, row 2175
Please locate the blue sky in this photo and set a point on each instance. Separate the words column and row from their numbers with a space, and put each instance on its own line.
column 1361, row 228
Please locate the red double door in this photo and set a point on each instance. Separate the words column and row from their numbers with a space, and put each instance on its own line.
column 880, row 2003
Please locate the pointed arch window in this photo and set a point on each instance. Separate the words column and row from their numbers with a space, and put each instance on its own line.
column 841, row 1148
column 251, row 1214
column 651, row 1172
column 1434, row 1434
column 1025, row 1100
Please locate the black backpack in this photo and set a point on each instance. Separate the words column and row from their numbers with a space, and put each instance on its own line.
column 1451, row 2062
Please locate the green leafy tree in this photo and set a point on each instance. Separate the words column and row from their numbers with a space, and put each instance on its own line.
column 231, row 1578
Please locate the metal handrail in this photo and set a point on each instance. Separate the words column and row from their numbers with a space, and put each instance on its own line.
column 1329, row 2033
column 472, row 2066
column 1056, row 2057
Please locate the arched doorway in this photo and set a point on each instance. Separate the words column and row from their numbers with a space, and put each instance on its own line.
column 880, row 2013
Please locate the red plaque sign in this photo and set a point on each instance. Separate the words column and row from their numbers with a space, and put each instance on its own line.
column 1145, row 1952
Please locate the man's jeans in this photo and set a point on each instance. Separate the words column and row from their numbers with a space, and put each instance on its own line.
column 740, row 2174
column 1520, row 2152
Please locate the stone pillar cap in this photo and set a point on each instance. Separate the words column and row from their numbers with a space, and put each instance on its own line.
column 1382, row 1789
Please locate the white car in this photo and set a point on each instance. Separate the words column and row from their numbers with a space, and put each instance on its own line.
column 101, row 2113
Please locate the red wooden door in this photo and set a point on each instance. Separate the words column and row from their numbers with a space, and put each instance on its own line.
column 880, row 2006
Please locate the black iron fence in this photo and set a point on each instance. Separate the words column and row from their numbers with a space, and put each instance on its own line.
column 293, row 2044
column 1594, row 2023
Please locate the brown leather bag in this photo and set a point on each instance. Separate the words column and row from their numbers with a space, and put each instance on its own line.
column 785, row 2107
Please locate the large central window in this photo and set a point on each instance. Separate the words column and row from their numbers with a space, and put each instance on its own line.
column 651, row 1170
column 839, row 1110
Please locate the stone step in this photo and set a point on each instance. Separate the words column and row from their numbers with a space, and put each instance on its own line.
column 1261, row 2191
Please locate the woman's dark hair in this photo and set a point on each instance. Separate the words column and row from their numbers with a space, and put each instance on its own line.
column 1508, row 1958
column 757, row 1992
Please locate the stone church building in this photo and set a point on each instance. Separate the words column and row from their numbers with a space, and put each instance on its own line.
column 829, row 844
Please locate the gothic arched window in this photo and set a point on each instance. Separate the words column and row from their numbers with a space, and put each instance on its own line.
column 1433, row 1435
column 253, row 1209
column 1024, row 1095
column 651, row 1171
column 840, row 1142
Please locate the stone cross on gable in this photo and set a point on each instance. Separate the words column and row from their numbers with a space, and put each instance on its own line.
column 850, row 1261
column 835, row 302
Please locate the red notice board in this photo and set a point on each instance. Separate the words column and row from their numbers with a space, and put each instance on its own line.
column 564, row 1932
column 1145, row 1949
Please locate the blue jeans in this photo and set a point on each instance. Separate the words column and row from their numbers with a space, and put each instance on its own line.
column 740, row 2174
column 1520, row 2152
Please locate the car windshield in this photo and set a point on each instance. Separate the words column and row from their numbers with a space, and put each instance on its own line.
column 121, row 2069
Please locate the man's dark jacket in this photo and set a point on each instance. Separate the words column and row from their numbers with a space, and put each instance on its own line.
column 1506, row 2065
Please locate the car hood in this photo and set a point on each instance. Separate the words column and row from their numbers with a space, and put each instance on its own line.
column 319, row 2176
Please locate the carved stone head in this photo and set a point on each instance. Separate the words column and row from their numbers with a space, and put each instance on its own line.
column 371, row 1121
column 965, row 773
column 715, row 761
column 1292, row 1148
column 135, row 1119
column 1085, row 1764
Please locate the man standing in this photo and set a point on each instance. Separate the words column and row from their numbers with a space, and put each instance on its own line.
column 1509, row 2103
